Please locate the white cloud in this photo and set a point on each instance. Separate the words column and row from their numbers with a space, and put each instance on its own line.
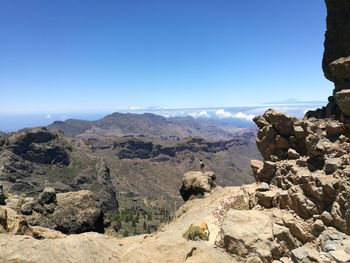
column 223, row 114
column 135, row 108
column 197, row 114
column 48, row 116
column 239, row 115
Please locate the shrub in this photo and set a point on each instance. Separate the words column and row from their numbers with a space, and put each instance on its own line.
column 195, row 233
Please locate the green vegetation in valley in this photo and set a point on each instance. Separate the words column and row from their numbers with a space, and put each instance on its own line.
column 138, row 219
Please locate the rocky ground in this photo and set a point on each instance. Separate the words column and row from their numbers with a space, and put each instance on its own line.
column 242, row 228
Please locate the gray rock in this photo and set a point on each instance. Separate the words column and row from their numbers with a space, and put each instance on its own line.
column 27, row 208
column 306, row 254
column 37, row 207
column 48, row 196
column 49, row 208
column 78, row 212
column 329, row 246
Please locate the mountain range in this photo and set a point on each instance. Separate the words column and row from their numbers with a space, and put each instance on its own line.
column 125, row 159
column 146, row 124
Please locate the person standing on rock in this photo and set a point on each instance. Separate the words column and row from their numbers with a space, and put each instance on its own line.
column 201, row 165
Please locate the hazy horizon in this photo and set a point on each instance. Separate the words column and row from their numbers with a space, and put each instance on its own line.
column 238, row 116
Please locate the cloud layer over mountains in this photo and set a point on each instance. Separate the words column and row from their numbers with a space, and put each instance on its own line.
column 237, row 116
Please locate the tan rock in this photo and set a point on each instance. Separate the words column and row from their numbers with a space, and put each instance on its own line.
column 196, row 183
column 12, row 223
column 292, row 154
column 340, row 256
column 340, row 69
column 343, row 101
column 245, row 233
column 299, row 132
column 257, row 166
column 265, row 198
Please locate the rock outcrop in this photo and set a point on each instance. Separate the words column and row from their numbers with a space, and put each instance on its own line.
column 307, row 167
column 38, row 146
column 336, row 57
column 196, row 184
column 144, row 149
column 33, row 159
column 70, row 213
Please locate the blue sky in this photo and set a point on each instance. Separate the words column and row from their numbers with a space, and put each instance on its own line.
column 70, row 55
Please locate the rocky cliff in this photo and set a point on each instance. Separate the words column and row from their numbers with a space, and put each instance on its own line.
column 336, row 60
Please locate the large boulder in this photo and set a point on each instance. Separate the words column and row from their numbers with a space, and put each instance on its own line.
column 70, row 213
column 196, row 184
column 78, row 212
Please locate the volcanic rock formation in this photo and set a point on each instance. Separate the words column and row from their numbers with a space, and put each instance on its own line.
column 336, row 59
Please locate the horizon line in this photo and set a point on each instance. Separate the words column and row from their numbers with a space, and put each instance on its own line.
column 149, row 109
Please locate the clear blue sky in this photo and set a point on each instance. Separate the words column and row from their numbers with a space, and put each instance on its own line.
column 90, row 55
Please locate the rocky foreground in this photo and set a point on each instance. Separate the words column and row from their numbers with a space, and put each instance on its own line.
column 298, row 212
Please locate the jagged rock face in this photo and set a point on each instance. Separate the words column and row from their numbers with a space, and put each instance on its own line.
column 106, row 194
column 196, row 184
column 38, row 146
column 313, row 181
column 135, row 148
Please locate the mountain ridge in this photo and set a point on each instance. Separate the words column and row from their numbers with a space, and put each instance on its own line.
column 146, row 124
